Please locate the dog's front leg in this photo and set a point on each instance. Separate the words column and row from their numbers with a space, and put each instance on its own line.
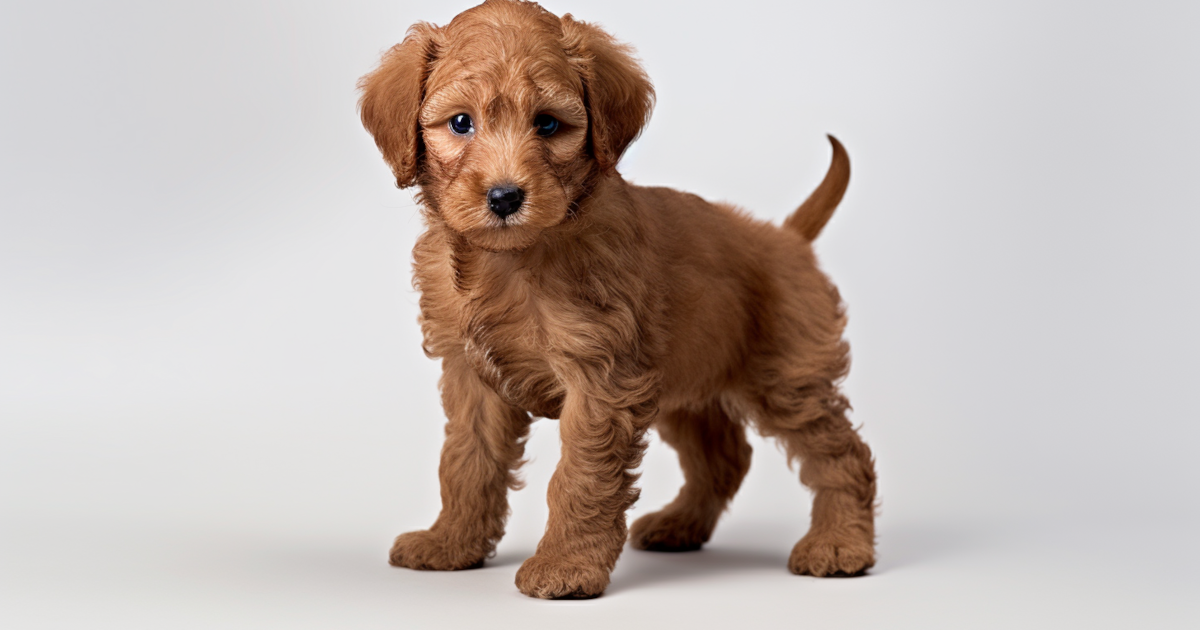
column 484, row 443
column 602, row 441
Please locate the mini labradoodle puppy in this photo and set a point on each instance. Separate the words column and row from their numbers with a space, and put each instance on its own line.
column 552, row 287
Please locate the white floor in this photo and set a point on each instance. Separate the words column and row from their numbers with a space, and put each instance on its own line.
column 75, row 574
column 289, row 540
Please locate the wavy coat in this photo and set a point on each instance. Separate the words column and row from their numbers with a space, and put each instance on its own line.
column 611, row 307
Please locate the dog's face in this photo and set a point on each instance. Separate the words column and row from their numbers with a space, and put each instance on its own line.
column 505, row 117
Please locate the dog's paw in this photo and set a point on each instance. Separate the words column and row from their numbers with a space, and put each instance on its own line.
column 824, row 555
column 430, row 551
column 547, row 577
column 669, row 531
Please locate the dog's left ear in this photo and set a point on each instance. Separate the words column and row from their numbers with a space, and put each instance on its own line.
column 618, row 94
column 391, row 100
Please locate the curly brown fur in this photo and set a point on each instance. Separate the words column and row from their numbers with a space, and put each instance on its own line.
column 608, row 306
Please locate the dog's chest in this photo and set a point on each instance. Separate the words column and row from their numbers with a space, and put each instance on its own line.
column 509, row 341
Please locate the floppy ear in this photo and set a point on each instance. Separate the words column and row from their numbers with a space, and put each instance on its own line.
column 617, row 92
column 391, row 99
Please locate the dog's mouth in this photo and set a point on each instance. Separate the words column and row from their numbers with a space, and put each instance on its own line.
column 496, row 226
column 513, row 232
column 509, row 239
column 512, row 221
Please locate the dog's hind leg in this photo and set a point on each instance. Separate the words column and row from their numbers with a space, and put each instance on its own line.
column 714, row 456
column 484, row 443
column 809, row 419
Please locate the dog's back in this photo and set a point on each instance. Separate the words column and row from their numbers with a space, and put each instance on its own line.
column 738, row 289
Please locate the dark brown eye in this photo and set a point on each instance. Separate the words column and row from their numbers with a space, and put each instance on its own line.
column 545, row 124
column 461, row 124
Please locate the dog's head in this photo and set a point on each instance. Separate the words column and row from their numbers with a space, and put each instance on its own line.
column 505, row 117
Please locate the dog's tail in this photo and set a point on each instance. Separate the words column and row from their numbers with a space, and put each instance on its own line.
column 814, row 213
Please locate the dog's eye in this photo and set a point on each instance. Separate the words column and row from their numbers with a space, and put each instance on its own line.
column 461, row 125
column 546, row 124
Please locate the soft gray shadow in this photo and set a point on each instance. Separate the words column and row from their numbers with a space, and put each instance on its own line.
column 508, row 558
column 899, row 548
column 638, row 569
column 910, row 545
column 759, row 548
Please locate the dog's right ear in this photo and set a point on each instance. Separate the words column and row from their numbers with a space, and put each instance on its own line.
column 391, row 99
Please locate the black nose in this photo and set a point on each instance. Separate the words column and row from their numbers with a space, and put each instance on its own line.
column 505, row 199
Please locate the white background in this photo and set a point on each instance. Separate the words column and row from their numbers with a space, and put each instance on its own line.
column 214, row 410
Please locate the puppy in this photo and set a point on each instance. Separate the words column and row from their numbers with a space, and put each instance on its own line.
column 551, row 287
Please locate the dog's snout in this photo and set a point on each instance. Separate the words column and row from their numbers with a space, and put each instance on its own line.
column 505, row 199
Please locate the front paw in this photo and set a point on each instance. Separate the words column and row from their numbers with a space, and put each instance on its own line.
column 430, row 551
column 547, row 577
column 826, row 555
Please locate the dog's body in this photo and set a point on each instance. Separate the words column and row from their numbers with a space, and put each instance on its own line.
column 608, row 306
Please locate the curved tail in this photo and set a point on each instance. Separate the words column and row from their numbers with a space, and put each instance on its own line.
column 814, row 213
